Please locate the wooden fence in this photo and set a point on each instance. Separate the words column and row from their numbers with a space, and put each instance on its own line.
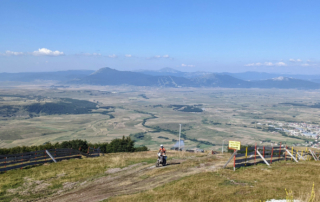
column 254, row 155
column 14, row 161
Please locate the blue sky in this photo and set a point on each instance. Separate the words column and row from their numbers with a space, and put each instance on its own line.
column 217, row 36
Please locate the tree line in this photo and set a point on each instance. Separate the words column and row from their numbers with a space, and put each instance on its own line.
column 124, row 144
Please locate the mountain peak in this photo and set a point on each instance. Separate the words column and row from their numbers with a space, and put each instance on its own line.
column 168, row 69
column 103, row 69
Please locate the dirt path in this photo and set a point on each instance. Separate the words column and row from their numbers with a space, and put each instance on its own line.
column 139, row 177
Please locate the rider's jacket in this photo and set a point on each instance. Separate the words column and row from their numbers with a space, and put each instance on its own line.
column 162, row 150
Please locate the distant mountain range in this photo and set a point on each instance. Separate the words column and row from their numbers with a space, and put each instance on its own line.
column 171, row 78
column 248, row 76
column 108, row 76
column 168, row 77
column 172, row 72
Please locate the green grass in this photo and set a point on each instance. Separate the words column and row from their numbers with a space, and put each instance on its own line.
column 75, row 170
column 248, row 184
column 70, row 171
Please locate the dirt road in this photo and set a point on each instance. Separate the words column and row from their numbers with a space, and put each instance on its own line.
column 132, row 179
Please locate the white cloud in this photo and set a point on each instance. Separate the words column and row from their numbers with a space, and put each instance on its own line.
column 113, row 56
column 46, row 52
column 312, row 64
column 250, row 65
column 96, row 54
column 159, row 57
column 89, row 54
column 268, row 64
column 253, row 64
column 128, row 55
column 10, row 53
column 281, row 64
column 295, row 60
column 184, row 65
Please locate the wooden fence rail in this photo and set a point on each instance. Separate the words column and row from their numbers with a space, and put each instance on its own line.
column 14, row 161
column 267, row 155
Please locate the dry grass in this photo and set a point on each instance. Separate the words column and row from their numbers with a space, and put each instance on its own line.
column 78, row 170
column 249, row 184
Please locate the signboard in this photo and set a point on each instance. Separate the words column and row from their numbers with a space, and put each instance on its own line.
column 234, row 145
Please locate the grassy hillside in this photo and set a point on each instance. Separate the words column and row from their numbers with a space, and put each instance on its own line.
column 133, row 177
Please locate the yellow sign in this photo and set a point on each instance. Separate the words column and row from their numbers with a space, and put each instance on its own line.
column 234, row 145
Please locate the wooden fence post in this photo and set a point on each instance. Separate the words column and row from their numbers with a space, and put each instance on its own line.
column 255, row 154
column 246, row 156
column 291, row 153
column 5, row 165
column 234, row 161
column 271, row 155
column 263, row 151
column 279, row 151
column 21, row 162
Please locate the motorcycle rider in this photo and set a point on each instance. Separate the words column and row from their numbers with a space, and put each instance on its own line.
column 162, row 150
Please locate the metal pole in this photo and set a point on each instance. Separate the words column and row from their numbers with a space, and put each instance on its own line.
column 179, row 136
column 266, row 162
column 222, row 145
column 51, row 156
column 234, row 153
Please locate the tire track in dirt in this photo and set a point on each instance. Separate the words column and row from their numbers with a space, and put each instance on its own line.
column 127, row 181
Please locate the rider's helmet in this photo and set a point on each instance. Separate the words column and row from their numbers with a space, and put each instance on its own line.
column 161, row 146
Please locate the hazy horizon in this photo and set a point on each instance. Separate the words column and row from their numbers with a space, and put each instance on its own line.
column 140, row 70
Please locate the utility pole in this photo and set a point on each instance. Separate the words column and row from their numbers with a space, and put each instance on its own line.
column 179, row 136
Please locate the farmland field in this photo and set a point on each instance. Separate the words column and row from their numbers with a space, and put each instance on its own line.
column 34, row 114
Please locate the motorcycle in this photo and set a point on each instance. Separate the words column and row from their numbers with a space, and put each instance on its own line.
column 162, row 159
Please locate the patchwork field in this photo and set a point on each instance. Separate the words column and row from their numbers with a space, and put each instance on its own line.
column 33, row 114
